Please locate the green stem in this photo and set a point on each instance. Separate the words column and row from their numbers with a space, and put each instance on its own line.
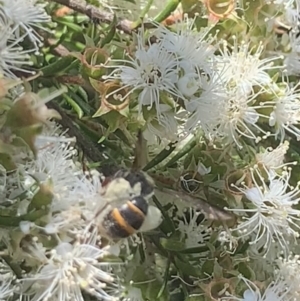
column 166, row 216
column 160, row 157
column 15, row 267
column 186, row 149
column 165, row 279
column 14, row 221
column 166, row 12
column 142, row 15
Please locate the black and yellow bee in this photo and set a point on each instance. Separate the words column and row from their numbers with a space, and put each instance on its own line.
column 126, row 208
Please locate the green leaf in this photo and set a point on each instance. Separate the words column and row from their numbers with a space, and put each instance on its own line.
column 111, row 32
column 113, row 119
column 57, row 67
column 246, row 271
column 49, row 57
column 89, row 42
column 84, row 106
column 208, row 267
column 70, row 25
column 82, row 93
column 74, row 105
column 95, row 137
column 218, row 270
column 172, row 244
column 197, row 250
column 152, row 290
column 7, row 162
column 187, row 268
column 14, row 221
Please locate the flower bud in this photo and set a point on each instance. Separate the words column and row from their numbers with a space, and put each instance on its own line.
column 28, row 111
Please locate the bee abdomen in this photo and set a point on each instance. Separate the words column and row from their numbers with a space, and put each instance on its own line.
column 126, row 220
column 140, row 203
column 134, row 212
column 116, row 226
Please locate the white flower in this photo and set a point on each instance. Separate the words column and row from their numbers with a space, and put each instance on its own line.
column 70, row 269
column 292, row 63
column 55, row 162
column 243, row 68
column 238, row 119
column 85, row 200
column 25, row 15
column 193, row 49
column 277, row 290
column 271, row 213
column 151, row 72
column 292, row 58
column 28, row 249
column 7, row 288
column 188, row 84
column 12, row 56
column 75, row 197
column 206, row 109
column 273, row 159
column 225, row 115
column 289, row 268
column 228, row 242
column 285, row 3
column 193, row 233
column 286, row 113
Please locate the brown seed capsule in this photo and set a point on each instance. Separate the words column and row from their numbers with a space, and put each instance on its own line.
column 237, row 179
column 220, row 9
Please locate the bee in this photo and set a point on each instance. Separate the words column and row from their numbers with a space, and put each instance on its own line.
column 127, row 210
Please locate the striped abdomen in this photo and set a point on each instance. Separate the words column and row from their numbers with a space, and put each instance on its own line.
column 127, row 219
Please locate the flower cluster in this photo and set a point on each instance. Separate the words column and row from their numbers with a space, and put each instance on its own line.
column 211, row 101
column 186, row 80
column 53, row 203
column 20, row 20
column 274, row 218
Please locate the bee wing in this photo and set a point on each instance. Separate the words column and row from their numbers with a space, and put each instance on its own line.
column 152, row 220
column 211, row 212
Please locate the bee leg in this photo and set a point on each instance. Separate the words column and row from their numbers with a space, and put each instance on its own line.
column 152, row 220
